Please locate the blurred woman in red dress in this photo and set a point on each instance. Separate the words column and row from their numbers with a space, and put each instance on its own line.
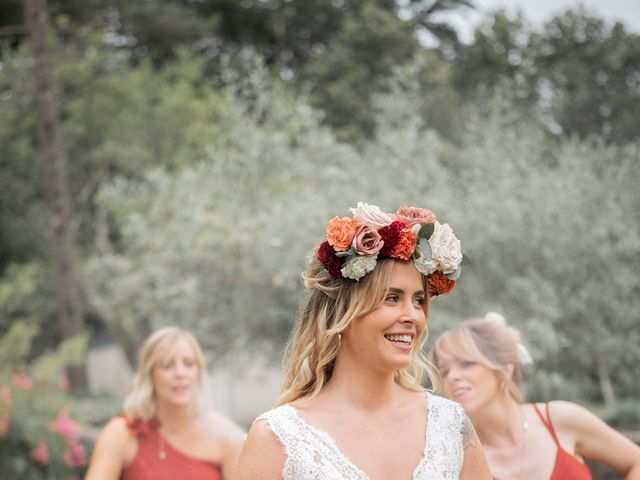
column 481, row 365
column 166, row 430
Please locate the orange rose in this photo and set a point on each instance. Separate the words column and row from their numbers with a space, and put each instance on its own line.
column 340, row 232
column 439, row 284
column 405, row 246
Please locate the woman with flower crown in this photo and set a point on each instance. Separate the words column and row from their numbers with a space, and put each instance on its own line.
column 481, row 366
column 353, row 405
column 166, row 431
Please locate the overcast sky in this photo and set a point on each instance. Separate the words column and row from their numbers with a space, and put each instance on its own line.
column 626, row 11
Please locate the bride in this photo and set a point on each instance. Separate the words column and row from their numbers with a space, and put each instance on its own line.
column 353, row 406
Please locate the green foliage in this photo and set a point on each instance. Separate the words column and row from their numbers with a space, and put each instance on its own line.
column 196, row 243
column 197, row 196
column 577, row 74
column 356, row 66
column 194, row 246
column 625, row 416
column 22, row 211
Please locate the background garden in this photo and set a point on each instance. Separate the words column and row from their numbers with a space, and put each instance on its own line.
column 206, row 142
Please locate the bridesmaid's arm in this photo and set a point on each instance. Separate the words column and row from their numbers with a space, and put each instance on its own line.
column 595, row 440
column 114, row 447
column 262, row 457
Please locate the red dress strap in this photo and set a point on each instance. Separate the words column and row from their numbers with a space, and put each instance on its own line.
column 547, row 421
column 566, row 465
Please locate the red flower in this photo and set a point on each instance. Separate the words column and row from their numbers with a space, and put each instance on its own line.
column 391, row 235
column 327, row 256
column 439, row 284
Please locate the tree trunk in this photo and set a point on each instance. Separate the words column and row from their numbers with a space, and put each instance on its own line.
column 606, row 387
column 68, row 303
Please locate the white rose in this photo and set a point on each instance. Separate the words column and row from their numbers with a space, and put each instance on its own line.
column 359, row 266
column 445, row 248
column 371, row 215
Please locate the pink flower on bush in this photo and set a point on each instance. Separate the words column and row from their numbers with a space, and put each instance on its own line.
column 65, row 427
column 411, row 216
column 4, row 425
column 41, row 453
column 340, row 232
column 5, row 397
column 366, row 240
column 75, row 455
column 63, row 383
column 22, row 381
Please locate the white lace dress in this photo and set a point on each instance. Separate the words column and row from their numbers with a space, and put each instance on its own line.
column 312, row 454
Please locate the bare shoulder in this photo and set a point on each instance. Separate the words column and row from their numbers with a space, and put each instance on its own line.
column 117, row 433
column 595, row 440
column 569, row 415
column 263, row 456
column 223, row 428
column 114, row 449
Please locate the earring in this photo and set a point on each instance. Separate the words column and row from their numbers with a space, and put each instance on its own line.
column 339, row 340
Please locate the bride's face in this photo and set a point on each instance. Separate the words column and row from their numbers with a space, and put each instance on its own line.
column 387, row 338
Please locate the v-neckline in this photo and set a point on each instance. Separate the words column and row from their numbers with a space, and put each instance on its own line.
column 343, row 457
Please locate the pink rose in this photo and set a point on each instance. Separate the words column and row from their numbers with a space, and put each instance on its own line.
column 371, row 215
column 366, row 240
column 411, row 216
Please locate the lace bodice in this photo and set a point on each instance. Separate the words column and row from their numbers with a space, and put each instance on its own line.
column 312, row 454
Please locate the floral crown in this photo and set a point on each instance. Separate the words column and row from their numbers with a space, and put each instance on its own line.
column 355, row 244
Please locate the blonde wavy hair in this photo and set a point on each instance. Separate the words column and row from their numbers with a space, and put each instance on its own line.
column 487, row 342
column 329, row 307
column 159, row 346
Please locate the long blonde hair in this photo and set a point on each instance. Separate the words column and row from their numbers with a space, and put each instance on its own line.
column 329, row 307
column 487, row 342
column 141, row 401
